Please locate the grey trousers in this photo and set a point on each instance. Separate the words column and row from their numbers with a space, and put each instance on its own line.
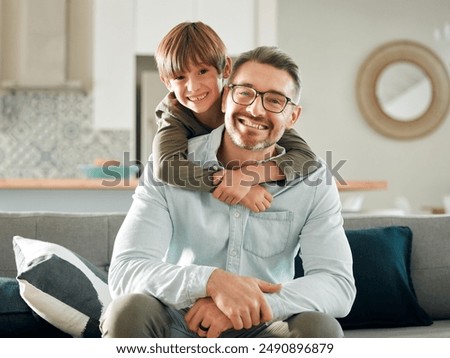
column 139, row 316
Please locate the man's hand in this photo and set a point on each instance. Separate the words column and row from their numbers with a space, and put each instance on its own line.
column 241, row 298
column 204, row 312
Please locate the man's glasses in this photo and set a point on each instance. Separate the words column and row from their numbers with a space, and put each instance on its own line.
column 271, row 101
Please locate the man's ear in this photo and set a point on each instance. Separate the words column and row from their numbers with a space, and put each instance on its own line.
column 166, row 83
column 294, row 116
column 227, row 68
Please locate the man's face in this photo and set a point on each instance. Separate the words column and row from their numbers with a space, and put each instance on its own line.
column 252, row 127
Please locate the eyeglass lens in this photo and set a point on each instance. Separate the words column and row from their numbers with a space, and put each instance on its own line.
column 271, row 101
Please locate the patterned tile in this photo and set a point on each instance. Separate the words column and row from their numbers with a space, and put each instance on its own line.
column 48, row 134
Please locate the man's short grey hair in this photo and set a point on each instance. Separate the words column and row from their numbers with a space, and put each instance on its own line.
column 271, row 55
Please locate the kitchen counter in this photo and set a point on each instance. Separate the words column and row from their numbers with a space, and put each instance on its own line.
column 130, row 184
column 70, row 184
column 93, row 195
column 362, row 185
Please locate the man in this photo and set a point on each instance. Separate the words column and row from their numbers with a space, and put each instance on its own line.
column 188, row 265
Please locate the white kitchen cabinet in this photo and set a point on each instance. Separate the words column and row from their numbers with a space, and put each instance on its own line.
column 154, row 18
column 242, row 24
column 45, row 44
column 233, row 20
column 114, row 65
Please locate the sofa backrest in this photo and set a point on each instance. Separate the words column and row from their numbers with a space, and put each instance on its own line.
column 89, row 235
column 92, row 235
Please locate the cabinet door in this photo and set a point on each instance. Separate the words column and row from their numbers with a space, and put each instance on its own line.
column 114, row 65
column 35, row 43
column 233, row 20
column 154, row 19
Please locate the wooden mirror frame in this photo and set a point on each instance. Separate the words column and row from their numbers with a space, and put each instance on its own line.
column 432, row 66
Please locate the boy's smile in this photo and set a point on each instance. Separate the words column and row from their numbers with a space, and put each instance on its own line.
column 198, row 98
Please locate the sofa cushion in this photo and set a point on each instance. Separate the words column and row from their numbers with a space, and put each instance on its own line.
column 17, row 320
column 385, row 294
column 60, row 286
column 430, row 259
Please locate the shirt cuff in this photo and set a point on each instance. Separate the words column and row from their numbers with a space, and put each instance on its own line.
column 278, row 310
column 198, row 279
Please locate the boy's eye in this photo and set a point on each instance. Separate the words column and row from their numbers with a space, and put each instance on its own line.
column 179, row 78
column 203, row 71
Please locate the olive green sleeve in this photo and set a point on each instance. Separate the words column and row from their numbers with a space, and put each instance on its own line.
column 170, row 152
column 299, row 160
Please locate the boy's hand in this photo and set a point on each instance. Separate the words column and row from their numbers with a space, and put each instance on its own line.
column 234, row 185
column 258, row 199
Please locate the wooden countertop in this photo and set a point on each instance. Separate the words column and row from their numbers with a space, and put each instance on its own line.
column 358, row 185
column 107, row 184
column 70, row 184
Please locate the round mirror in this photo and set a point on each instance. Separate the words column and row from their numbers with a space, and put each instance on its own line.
column 403, row 90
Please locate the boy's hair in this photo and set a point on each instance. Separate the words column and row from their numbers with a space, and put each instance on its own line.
column 190, row 43
column 271, row 55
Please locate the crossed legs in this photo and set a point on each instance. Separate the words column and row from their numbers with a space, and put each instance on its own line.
column 139, row 315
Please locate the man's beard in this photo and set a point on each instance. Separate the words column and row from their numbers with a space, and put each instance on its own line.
column 240, row 142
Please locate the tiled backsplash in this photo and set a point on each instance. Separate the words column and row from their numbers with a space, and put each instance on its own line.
column 47, row 134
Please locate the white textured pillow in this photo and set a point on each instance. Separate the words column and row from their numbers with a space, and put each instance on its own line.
column 62, row 287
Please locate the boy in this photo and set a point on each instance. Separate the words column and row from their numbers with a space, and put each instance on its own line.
column 193, row 65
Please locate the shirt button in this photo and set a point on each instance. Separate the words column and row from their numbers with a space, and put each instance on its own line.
column 237, row 215
column 233, row 253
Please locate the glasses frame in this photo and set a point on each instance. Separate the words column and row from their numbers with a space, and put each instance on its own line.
column 232, row 86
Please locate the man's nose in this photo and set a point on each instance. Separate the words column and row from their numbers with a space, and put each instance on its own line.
column 256, row 108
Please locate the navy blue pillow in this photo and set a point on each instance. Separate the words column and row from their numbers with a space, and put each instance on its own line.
column 17, row 320
column 381, row 266
column 385, row 293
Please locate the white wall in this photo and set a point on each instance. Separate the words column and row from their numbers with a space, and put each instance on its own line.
column 330, row 39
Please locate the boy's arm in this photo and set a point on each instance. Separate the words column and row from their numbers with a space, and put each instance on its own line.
column 299, row 159
column 170, row 162
column 235, row 185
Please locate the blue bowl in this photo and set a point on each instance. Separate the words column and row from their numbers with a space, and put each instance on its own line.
column 108, row 171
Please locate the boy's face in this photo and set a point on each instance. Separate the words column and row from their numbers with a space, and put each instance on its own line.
column 252, row 127
column 198, row 89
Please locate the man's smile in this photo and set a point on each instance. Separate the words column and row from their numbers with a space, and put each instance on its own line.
column 248, row 123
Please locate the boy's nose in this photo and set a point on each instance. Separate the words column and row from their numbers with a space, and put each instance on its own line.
column 192, row 85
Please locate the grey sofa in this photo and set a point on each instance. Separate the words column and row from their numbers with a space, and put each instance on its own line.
column 92, row 236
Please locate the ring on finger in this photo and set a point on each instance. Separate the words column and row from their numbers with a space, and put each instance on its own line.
column 203, row 328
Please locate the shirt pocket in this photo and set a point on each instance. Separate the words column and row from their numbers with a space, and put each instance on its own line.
column 267, row 234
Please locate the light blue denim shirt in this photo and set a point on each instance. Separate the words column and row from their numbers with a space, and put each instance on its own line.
column 172, row 239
